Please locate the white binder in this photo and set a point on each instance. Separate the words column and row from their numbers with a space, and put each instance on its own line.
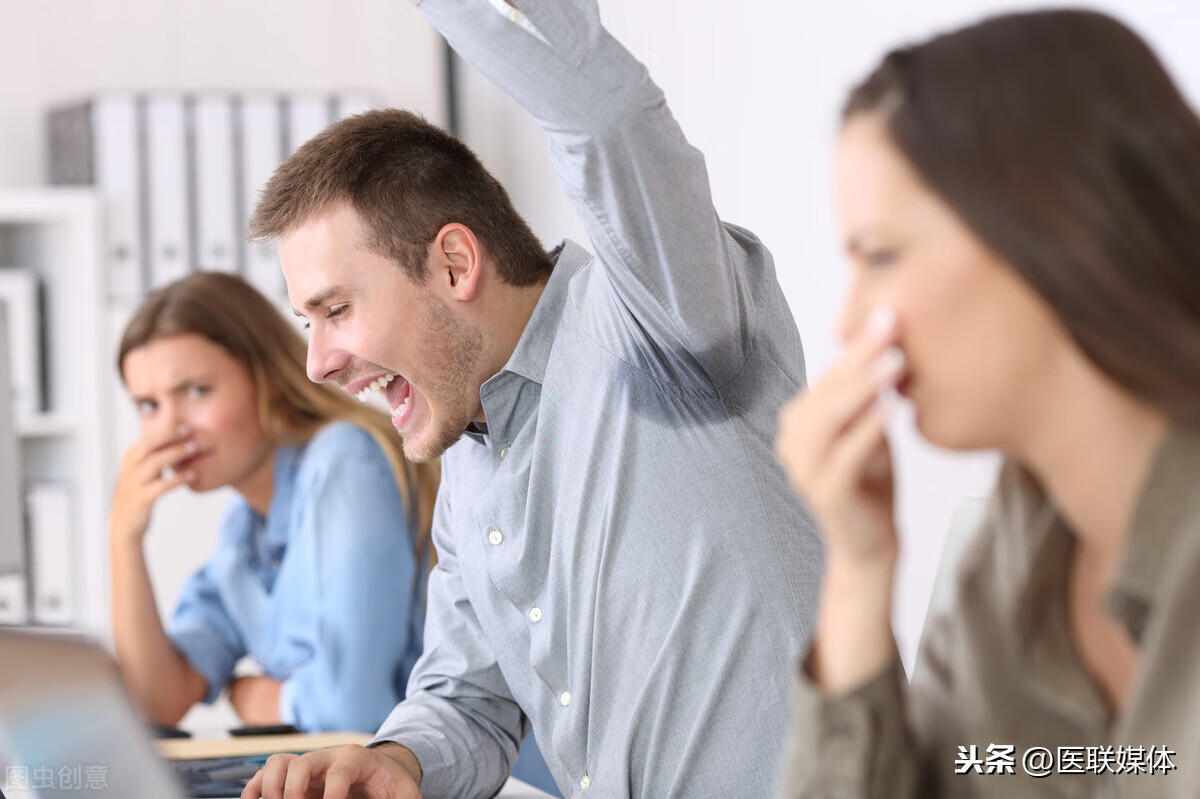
column 217, row 236
column 261, row 145
column 116, row 158
column 19, row 293
column 308, row 115
column 12, row 527
column 51, row 553
column 167, row 173
column 12, row 599
column 354, row 102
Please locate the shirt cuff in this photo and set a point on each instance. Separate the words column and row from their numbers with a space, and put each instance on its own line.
column 207, row 654
column 838, row 740
column 436, row 768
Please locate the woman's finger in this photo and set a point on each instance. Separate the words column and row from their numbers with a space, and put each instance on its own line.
column 153, row 465
column 812, row 424
column 847, row 466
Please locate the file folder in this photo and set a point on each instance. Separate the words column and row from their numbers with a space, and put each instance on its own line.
column 99, row 142
column 354, row 102
column 260, row 145
column 19, row 294
column 51, row 553
column 216, row 245
column 12, row 535
column 307, row 115
column 167, row 173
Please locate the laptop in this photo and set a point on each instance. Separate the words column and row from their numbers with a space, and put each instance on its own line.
column 67, row 728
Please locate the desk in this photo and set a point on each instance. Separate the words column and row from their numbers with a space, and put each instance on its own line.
column 194, row 749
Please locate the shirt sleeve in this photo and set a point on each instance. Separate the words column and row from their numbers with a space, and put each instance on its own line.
column 353, row 539
column 850, row 744
column 459, row 718
column 640, row 188
column 203, row 632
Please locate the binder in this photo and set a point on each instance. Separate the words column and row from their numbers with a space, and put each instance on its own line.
column 260, row 146
column 167, row 178
column 12, row 535
column 307, row 115
column 12, row 599
column 19, row 294
column 51, row 553
column 349, row 103
column 216, row 243
column 98, row 142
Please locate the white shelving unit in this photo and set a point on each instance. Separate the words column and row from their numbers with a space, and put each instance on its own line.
column 58, row 233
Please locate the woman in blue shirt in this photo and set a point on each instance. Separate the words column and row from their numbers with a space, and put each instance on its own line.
column 318, row 573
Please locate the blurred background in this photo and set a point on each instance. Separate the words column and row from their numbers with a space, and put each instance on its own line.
column 757, row 85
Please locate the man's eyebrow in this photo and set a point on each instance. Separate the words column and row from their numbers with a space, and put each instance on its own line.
column 317, row 300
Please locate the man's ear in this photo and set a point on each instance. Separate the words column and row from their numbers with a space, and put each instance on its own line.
column 457, row 261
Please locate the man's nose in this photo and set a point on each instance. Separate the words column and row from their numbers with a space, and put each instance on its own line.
column 324, row 362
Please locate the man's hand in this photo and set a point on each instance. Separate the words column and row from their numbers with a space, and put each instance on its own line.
column 256, row 699
column 389, row 771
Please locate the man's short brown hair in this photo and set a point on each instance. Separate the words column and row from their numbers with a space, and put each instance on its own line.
column 406, row 178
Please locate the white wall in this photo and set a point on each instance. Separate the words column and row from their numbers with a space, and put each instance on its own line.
column 756, row 84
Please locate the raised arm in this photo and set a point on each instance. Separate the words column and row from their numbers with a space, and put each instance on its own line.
column 640, row 188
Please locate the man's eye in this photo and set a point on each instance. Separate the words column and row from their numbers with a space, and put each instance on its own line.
column 337, row 310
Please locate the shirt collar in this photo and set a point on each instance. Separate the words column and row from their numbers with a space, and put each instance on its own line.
column 1168, row 499
column 1167, row 503
column 533, row 348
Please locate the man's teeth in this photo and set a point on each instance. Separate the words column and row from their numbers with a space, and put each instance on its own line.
column 376, row 386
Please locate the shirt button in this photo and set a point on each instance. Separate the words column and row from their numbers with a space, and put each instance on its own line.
column 565, row 698
column 585, row 782
column 535, row 614
column 495, row 537
column 504, row 452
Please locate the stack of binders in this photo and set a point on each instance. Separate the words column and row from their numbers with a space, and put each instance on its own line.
column 181, row 173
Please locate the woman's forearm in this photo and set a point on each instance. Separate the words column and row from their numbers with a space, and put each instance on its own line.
column 160, row 680
column 854, row 639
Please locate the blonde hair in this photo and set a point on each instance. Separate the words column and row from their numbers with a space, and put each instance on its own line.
column 229, row 312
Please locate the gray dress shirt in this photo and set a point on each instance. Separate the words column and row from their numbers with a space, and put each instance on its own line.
column 621, row 561
column 998, row 677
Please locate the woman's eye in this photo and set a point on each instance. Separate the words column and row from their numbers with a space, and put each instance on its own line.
column 146, row 407
column 878, row 258
column 198, row 391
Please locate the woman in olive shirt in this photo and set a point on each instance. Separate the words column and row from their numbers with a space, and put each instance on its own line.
column 1020, row 201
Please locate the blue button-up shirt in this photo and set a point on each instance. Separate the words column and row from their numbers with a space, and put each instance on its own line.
column 622, row 563
column 324, row 593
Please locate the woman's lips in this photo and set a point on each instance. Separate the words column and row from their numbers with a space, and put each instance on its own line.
column 190, row 460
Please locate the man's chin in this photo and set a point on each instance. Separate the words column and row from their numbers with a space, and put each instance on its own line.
column 421, row 447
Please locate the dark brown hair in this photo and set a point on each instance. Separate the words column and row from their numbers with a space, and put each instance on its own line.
column 1060, row 140
column 229, row 312
column 406, row 179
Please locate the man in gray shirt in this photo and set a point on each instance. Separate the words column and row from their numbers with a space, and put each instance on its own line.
column 622, row 564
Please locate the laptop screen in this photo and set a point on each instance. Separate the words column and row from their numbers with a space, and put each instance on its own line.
column 66, row 726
